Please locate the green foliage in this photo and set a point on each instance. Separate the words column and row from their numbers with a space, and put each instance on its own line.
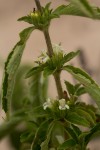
column 41, row 133
column 35, row 90
column 78, row 8
column 34, row 70
column 11, row 67
column 91, row 87
column 45, row 144
column 19, row 93
column 49, row 122
column 92, row 132
column 77, row 119
column 67, row 144
column 41, row 20
column 75, row 90
column 53, row 64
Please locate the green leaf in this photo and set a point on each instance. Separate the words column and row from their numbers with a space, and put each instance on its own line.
column 34, row 70
column 35, row 90
column 69, row 56
column 78, row 71
column 76, row 129
column 91, row 87
column 87, row 108
column 75, row 118
column 81, row 91
column 95, row 129
column 67, row 144
column 48, row 71
column 11, row 67
column 77, row 8
column 38, row 88
column 75, row 90
column 82, row 138
column 91, row 112
column 97, row 12
column 85, row 115
column 27, row 19
column 70, row 88
column 38, row 112
column 47, row 6
column 84, row 6
column 72, row 134
column 44, row 89
column 41, row 133
column 26, row 136
column 44, row 145
column 19, row 92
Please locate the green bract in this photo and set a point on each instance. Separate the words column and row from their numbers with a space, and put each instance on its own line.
column 53, row 64
column 41, row 20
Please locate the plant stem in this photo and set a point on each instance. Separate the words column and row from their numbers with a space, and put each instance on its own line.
column 48, row 42
column 58, row 85
column 38, row 5
column 50, row 53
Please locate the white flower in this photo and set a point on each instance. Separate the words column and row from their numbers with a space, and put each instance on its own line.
column 43, row 58
column 47, row 104
column 63, row 105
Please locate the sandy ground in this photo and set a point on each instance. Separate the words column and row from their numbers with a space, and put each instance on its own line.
column 72, row 32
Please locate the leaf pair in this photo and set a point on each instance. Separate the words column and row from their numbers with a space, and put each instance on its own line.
column 75, row 90
column 55, row 63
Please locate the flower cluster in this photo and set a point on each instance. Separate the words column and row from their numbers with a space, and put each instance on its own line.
column 43, row 58
column 62, row 105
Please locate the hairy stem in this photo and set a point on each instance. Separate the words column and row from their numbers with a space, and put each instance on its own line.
column 48, row 42
column 38, row 5
column 50, row 53
column 58, row 85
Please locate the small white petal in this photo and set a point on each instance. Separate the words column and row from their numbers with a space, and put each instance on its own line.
column 45, row 105
column 45, row 59
column 48, row 104
column 62, row 108
column 67, row 106
column 48, row 100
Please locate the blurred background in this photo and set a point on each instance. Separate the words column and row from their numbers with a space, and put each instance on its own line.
column 72, row 32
